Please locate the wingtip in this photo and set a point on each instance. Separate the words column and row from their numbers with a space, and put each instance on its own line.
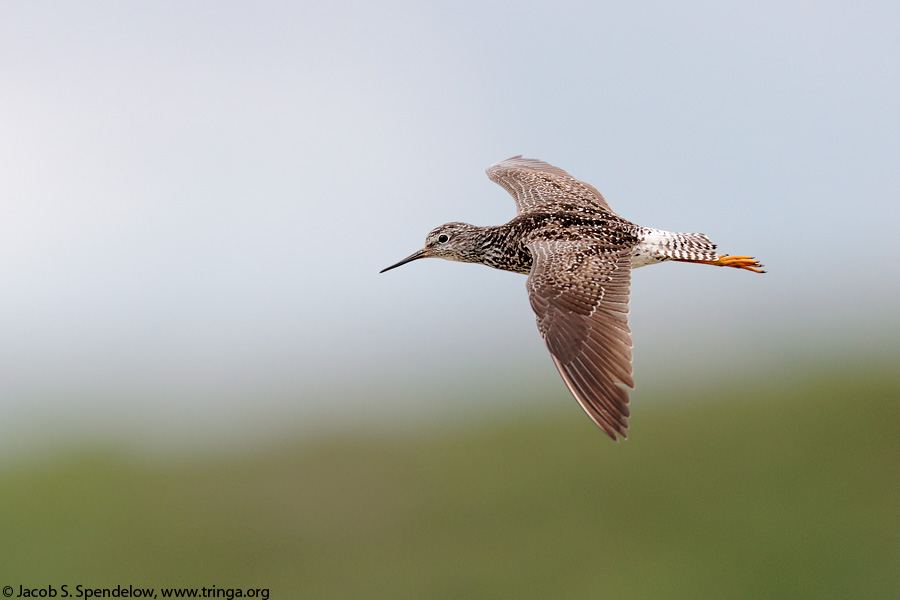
column 614, row 431
column 500, row 162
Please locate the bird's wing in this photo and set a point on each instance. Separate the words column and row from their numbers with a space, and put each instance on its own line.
column 580, row 296
column 533, row 183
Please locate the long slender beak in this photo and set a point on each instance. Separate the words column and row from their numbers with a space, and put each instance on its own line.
column 414, row 256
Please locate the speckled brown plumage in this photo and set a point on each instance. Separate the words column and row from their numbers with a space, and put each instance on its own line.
column 578, row 255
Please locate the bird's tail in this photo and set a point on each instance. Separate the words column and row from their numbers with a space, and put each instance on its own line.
column 680, row 246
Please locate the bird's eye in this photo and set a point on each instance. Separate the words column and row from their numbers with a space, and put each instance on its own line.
column 443, row 238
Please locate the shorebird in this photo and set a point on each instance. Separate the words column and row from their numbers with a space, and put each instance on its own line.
column 578, row 255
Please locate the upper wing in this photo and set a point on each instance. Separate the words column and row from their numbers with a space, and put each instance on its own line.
column 580, row 296
column 533, row 183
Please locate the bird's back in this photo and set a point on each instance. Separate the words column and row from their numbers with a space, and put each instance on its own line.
column 508, row 244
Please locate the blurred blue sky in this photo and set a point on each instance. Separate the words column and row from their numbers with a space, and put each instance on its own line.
column 197, row 197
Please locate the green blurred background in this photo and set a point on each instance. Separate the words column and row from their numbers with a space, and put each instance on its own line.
column 778, row 489
column 205, row 381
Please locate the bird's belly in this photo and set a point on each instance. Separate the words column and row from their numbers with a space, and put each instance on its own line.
column 645, row 254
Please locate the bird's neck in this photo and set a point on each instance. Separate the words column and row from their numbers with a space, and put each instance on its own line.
column 502, row 249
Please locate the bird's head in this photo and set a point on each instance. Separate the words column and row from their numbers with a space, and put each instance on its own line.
column 451, row 241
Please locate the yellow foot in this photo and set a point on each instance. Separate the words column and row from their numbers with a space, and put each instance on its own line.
column 738, row 262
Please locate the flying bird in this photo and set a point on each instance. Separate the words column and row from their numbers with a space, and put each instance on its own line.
column 578, row 255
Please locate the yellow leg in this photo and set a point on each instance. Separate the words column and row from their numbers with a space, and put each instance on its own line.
column 738, row 262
